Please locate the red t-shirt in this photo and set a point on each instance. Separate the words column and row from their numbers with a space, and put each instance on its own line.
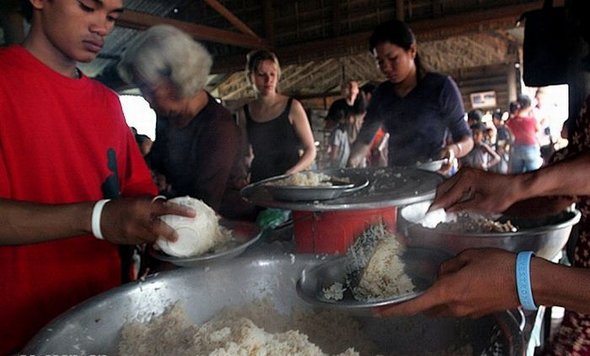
column 524, row 129
column 61, row 141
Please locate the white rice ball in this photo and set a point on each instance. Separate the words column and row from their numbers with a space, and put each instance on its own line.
column 195, row 235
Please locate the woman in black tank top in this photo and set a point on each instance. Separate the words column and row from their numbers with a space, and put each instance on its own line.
column 278, row 128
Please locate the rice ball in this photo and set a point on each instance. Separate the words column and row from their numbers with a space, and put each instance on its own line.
column 195, row 235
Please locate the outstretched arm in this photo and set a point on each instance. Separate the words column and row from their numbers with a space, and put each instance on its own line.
column 482, row 281
column 472, row 189
column 125, row 221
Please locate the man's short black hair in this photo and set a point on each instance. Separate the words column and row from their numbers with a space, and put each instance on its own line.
column 475, row 115
column 478, row 127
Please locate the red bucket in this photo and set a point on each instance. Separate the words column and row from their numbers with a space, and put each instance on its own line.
column 334, row 231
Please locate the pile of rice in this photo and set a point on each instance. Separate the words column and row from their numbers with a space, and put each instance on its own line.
column 384, row 275
column 253, row 329
column 197, row 235
column 376, row 270
column 306, row 179
column 473, row 223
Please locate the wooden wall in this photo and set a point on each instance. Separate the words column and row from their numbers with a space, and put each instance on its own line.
column 502, row 79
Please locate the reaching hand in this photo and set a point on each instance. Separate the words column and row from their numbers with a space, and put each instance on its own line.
column 477, row 190
column 474, row 283
column 132, row 221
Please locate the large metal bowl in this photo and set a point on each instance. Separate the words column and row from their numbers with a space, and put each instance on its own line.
column 546, row 236
column 94, row 326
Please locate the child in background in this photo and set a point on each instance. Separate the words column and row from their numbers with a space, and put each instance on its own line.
column 504, row 139
column 340, row 140
column 482, row 156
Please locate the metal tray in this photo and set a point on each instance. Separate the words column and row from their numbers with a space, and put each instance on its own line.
column 244, row 234
column 421, row 265
column 311, row 193
column 388, row 186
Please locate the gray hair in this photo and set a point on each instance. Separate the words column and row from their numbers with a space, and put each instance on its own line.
column 165, row 52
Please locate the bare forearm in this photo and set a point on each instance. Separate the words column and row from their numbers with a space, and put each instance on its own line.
column 463, row 147
column 305, row 160
column 358, row 152
column 25, row 223
column 560, row 285
column 568, row 177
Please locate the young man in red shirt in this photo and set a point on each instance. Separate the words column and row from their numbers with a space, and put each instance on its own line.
column 65, row 152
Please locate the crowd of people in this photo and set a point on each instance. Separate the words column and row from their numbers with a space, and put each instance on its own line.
column 65, row 226
column 518, row 140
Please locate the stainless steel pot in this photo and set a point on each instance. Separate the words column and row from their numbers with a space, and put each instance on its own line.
column 93, row 327
column 545, row 236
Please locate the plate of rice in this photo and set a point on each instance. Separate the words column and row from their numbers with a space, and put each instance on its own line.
column 377, row 270
column 205, row 238
column 311, row 186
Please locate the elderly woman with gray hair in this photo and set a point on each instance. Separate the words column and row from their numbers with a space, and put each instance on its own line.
column 199, row 146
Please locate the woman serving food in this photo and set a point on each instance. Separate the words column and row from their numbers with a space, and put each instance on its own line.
column 416, row 107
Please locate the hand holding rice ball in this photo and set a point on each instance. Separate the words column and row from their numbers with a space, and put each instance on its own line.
column 196, row 235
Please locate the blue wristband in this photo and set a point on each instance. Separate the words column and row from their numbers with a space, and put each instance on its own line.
column 523, row 280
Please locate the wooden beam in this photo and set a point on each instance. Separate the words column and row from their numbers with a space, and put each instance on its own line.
column 293, row 76
column 229, row 16
column 141, row 21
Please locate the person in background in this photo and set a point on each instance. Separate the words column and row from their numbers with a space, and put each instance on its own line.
column 489, row 135
column 482, row 156
column 199, row 146
column 377, row 156
column 525, row 154
column 544, row 115
column 417, row 132
column 65, row 150
column 340, row 140
column 144, row 142
column 353, row 102
column 474, row 117
column 504, row 140
column 277, row 126
column 367, row 91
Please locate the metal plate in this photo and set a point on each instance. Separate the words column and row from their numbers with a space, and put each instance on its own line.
column 432, row 166
column 421, row 265
column 388, row 186
column 304, row 193
column 244, row 234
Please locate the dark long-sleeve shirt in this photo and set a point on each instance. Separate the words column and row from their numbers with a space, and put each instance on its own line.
column 420, row 122
column 204, row 159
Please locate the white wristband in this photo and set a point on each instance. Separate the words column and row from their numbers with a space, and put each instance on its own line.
column 96, row 214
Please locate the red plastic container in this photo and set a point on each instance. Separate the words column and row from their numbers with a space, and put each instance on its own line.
column 332, row 232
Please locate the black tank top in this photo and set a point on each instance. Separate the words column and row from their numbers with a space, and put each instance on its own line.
column 275, row 144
